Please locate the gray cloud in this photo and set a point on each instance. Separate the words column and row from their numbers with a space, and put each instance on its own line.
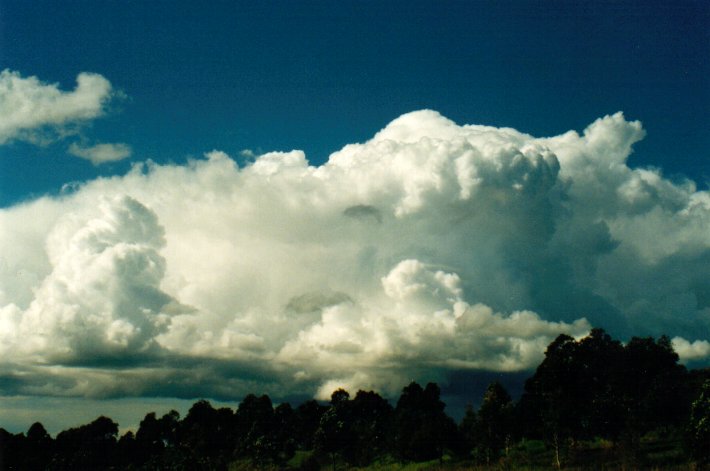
column 363, row 212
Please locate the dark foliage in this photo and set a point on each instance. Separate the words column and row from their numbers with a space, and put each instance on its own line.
column 698, row 428
column 307, row 421
column 421, row 429
column 592, row 390
column 597, row 387
column 91, row 446
column 490, row 431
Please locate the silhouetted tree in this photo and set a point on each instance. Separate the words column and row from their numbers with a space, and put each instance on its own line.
column 421, row 428
column 11, row 450
column 308, row 417
column 467, row 430
column 127, row 452
column 653, row 383
column 550, row 395
column 698, row 429
column 598, row 403
column 371, row 417
column 598, row 387
column 156, row 439
column 38, row 448
column 492, row 429
column 91, row 446
column 284, row 432
column 652, row 391
column 592, row 387
column 203, row 436
column 334, row 434
column 149, row 440
column 261, row 437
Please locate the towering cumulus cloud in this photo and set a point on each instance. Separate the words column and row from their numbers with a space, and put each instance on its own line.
column 430, row 249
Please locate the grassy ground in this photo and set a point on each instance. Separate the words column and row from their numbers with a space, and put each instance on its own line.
column 655, row 453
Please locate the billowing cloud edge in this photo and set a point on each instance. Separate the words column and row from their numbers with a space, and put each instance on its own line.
column 691, row 351
column 430, row 249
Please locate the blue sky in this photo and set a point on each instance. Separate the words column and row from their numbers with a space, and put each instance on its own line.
column 209, row 199
column 317, row 75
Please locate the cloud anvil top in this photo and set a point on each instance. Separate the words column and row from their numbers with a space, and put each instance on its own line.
column 429, row 249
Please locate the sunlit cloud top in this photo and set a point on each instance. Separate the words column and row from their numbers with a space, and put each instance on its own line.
column 429, row 249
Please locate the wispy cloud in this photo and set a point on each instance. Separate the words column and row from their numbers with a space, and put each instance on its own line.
column 101, row 153
column 430, row 249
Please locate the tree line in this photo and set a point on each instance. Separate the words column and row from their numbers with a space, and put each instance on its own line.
column 593, row 401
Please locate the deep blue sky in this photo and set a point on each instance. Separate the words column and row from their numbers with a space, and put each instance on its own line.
column 316, row 75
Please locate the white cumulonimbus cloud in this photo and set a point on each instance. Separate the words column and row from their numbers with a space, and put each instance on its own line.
column 430, row 249
column 29, row 107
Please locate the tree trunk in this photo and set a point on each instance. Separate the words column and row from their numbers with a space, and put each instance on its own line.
column 556, row 442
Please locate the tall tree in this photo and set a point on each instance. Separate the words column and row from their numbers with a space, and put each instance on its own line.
column 467, row 430
column 308, row 416
column 421, row 428
column 38, row 448
column 371, row 417
column 204, row 437
column 154, row 437
column 598, row 403
column 334, row 434
column 550, row 395
column 493, row 427
column 263, row 431
column 653, row 383
column 91, row 446
column 652, row 391
column 284, row 432
column 598, row 387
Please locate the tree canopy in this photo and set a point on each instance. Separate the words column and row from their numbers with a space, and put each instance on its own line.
column 585, row 390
